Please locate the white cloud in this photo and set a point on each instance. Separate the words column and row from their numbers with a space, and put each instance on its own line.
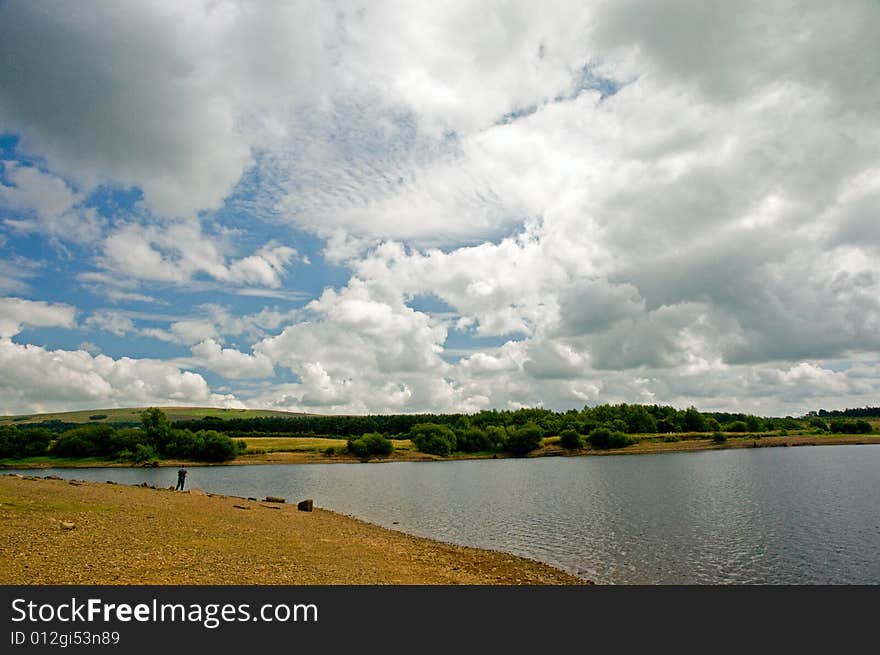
column 39, row 380
column 178, row 252
column 44, row 203
column 669, row 202
column 17, row 313
column 14, row 273
column 231, row 363
column 109, row 321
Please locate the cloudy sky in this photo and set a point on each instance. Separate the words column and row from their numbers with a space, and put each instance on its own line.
column 446, row 206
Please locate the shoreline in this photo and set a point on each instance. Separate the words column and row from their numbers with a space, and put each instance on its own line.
column 77, row 532
column 645, row 447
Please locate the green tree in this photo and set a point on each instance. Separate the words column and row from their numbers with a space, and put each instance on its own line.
column 603, row 438
column 433, row 438
column 370, row 444
column 525, row 439
column 157, row 427
column 571, row 439
column 694, row 421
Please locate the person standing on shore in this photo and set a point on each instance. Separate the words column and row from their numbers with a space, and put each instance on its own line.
column 181, row 479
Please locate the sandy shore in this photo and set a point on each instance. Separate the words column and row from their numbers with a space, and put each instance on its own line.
column 135, row 535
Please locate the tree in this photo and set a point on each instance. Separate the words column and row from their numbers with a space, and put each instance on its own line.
column 472, row 440
column 525, row 439
column 370, row 444
column 603, row 438
column 694, row 421
column 157, row 427
column 571, row 439
column 433, row 438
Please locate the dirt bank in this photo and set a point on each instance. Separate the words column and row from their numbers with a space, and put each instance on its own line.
column 135, row 535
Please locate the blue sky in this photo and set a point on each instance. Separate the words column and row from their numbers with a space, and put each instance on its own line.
column 392, row 208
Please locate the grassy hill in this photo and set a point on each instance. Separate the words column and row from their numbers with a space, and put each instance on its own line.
column 133, row 414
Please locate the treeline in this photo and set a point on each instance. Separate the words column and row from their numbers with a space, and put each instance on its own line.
column 155, row 438
column 623, row 417
column 316, row 426
column 856, row 412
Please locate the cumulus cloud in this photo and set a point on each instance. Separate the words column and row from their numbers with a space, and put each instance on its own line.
column 180, row 251
column 635, row 201
column 39, row 380
column 41, row 202
column 231, row 363
column 109, row 321
column 17, row 313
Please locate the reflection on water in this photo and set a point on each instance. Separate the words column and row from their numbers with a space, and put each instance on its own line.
column 769, row 516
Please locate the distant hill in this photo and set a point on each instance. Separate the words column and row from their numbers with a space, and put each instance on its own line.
column 133, row 415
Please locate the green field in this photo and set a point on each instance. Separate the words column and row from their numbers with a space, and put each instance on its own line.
column 133, row 415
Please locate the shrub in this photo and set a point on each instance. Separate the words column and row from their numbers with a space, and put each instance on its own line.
column 497, row 437
column 433, row 438
column 215, row 447
column 525, row 439
column 97, row 417
column 370, row 444
column 329, row 451
column 570, row 439
column 860, row 426
column 719, row 437
column 712, row 424
column 124, row 442
column 141, row 453
column 694, row 421
column 85, row 441
column 818, row 424
column 23, row 442
column 472, row 440
column 603, row 438
column 736, row 426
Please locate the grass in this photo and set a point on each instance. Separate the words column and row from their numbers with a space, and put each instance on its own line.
column 133, row 415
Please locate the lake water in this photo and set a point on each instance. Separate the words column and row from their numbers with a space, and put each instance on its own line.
column 747, row 516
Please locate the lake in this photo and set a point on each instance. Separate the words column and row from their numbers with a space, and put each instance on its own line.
column 808, row 515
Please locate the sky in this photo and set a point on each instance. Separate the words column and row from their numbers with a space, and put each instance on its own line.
column 397, row 207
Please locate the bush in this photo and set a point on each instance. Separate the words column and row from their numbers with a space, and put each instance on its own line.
column 204, row 445
column 124, row 442
column 694, row 421
column 818, row 424
column 23, row 442
column 215, row 447
column 603, row 438
column 860, row 426
column 736, row 426
column 85, row 441
column 141, row 453
column 525, row 440
column 472, row 440
column 571, row 439
column 97, row 417
column 719, row 437
column 433, row 438
column 370, row 444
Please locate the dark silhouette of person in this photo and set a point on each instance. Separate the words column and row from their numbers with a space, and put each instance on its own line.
column 181, row 478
